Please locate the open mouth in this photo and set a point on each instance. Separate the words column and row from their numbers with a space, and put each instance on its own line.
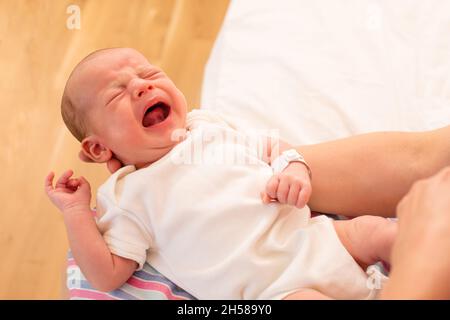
column 155, row 114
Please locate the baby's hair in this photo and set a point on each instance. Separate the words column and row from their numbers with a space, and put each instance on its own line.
column 75, row 117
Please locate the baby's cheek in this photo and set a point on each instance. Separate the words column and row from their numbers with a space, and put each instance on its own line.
column 124, row 141
column 130, row 143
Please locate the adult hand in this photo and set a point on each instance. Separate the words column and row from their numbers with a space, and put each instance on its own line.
column 112, row 164
column 420, row 257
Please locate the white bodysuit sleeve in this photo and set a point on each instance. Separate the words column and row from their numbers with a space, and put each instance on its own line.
column 124, row 232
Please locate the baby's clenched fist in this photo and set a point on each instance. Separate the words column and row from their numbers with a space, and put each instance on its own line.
column 291, row 186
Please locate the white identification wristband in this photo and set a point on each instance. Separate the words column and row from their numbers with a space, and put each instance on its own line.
column 288, row 156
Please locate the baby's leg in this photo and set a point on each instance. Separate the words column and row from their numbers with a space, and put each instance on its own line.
column 368, row 239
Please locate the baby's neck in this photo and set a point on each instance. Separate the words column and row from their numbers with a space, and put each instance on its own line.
column 160, row 153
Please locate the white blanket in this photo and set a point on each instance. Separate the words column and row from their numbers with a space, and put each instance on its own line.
column 325, row 69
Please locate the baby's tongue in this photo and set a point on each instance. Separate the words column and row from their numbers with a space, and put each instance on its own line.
column 154, row 116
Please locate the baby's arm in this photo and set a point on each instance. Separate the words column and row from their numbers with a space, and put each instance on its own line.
column 104, row 270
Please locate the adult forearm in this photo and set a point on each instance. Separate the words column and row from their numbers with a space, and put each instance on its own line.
column 370, row 173
column 435, row 151
column 275, row 148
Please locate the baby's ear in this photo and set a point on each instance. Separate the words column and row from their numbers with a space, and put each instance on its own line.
column 94, row 150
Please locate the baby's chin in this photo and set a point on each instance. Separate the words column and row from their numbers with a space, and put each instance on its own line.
column 163, row 138
column 156, row 153
column 175, row 130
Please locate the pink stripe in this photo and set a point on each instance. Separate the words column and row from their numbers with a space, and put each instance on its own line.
column 71, row 262
column 156, row 286
column 95, row 295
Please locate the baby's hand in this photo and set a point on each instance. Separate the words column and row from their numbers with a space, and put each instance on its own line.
column 292, row 186
column 68, row 193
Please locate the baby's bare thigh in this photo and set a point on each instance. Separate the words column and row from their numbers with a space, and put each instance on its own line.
column 367, row 238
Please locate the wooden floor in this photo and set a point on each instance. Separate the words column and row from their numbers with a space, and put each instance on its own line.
column 38, row 51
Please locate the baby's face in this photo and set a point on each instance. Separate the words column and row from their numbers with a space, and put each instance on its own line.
column 132, row 106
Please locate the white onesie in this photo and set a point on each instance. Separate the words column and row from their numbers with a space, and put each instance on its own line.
column 196, row 215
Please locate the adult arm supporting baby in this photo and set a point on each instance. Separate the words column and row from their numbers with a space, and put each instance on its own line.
column 370, row 173
column 104, row 270
column 423, row 224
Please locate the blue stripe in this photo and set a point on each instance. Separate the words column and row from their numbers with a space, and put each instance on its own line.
column 147, row 276
column 119, row 293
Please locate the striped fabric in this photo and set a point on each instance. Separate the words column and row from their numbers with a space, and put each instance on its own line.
column 146, row 284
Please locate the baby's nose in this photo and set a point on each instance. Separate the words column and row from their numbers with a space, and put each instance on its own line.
column 141, row 88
